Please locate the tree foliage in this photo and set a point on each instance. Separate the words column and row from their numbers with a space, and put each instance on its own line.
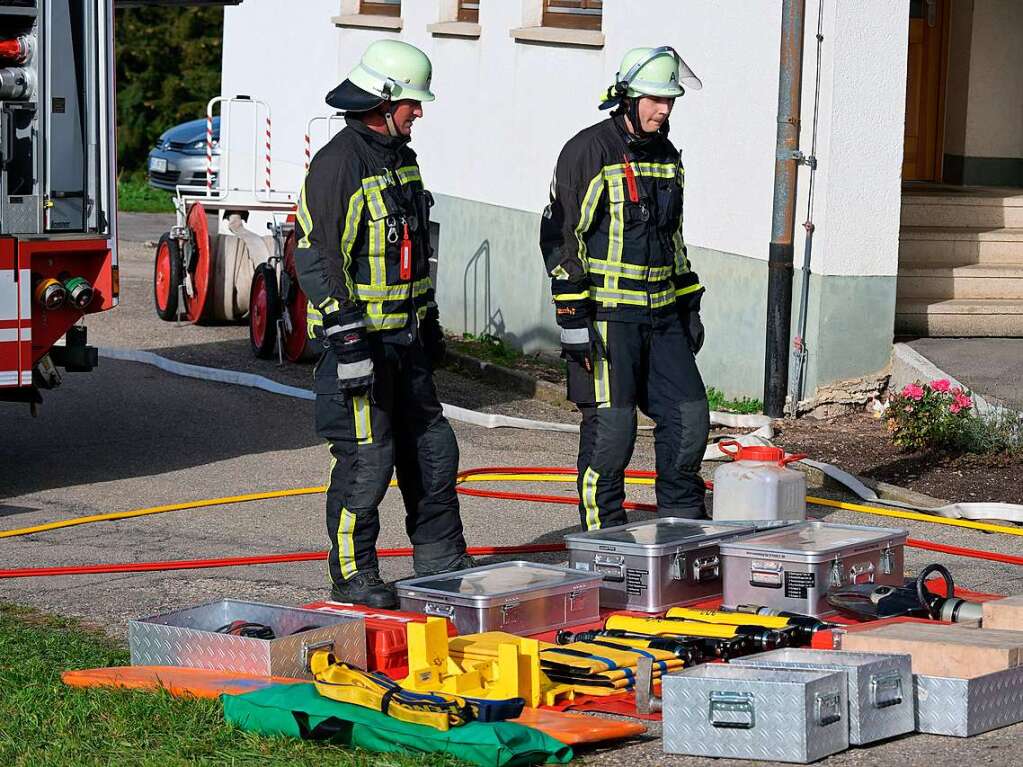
column 168, row 67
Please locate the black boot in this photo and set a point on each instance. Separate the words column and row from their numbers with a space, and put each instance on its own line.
column 462, row 562
column 365, row 589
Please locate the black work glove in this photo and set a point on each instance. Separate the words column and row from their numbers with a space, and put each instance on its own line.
column 689, row 313
column 575, row 318
column 432, row 335
column 349, row 340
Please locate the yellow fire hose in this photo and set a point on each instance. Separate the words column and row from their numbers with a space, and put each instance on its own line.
column 496, row 476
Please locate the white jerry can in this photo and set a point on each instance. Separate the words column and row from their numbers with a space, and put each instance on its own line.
column 757, row 484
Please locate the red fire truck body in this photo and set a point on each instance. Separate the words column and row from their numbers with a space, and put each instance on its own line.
column 58, row 238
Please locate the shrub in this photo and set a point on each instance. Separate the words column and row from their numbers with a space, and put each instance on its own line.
column 932, row 415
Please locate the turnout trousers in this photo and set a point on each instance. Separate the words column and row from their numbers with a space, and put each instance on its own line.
column 396, row 427
column 649, row 366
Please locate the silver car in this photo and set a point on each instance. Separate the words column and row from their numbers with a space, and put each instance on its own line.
column 179, row 157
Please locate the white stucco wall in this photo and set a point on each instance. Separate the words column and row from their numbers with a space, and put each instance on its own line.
column 505, row 108
column 860, row 136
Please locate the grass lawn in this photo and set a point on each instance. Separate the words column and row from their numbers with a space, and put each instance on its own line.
column 135, row 195
column 43, row 722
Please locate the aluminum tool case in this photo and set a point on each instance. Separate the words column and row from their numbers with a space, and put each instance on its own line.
column 967, row 707
column 794, row 568
column 517, row 597
column 783, row 715
column 650, row 566
column 189, row 638
column 880, row 687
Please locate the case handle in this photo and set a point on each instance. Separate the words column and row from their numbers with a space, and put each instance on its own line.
column 886, row 689
column 706, row 569
column 309, row 648
column 611, row 566
column 828, row 708
column 732, row 710
column 861, row 573
column 441, row 611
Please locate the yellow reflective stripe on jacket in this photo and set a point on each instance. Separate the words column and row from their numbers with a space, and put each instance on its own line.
column 616, row 230
column 677, row 241
column 304, row 218
column 327, row 306
column 648, row 169
column 408, row 173
column 688, row 289
column 355, row 205
column 377, row 293
column 422, row 287
column 631, row 271
column 633, row 297
column 571, row 296
column 377, row 319
column 586, row 212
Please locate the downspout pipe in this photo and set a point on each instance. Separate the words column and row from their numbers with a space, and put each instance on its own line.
column 783, row 218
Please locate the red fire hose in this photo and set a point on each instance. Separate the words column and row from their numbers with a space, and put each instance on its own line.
column 306, row 556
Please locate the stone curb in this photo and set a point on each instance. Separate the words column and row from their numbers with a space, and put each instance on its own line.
column 500, row 376
column 909, row 366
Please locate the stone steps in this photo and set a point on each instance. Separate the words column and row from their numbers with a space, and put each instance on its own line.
column 973, row 281
column 959, row 317
column 975, row 209
column 923, row 246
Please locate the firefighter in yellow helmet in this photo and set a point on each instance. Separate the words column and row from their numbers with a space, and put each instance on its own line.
column 626, row 299
column 363, row 259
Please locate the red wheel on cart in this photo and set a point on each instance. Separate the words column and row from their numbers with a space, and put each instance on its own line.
column 200, row 266
column 297, row 345
column 166, row 277
column 264, row 309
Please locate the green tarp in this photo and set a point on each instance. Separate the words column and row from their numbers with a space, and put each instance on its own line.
column 301, row 712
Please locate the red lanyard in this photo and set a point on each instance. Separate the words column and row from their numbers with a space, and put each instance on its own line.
column 630, row 180
column 405, row 269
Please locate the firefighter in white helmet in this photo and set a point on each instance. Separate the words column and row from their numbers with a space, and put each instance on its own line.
column 363, row 259
column 625, row 297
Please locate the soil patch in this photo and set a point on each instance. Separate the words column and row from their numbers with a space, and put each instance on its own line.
column 860, row 444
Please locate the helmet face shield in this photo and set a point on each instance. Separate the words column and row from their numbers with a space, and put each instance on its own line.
column 657, row 72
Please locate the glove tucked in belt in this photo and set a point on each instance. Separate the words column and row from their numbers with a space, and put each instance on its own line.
column 348, row 338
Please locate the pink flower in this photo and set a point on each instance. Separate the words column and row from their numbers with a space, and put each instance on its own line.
column 913, row 391
column 963, row 401
column 954, row 408
column 908, row 408
column 942, row 385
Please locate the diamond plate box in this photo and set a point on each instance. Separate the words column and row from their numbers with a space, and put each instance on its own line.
column 967, row 707
column 781, row 715
column 880, row 693
column 189, row 638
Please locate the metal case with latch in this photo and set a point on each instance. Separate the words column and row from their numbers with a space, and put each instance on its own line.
column 190, row 638
column 880, row 691
column 650, row 566
column 516, row 597
column 779, row 715
column 794, row 569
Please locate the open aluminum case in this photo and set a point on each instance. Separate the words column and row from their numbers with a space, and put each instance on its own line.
column 650, row 566
column 516, row 597
column 780, row 715
column 795, row 568
column 880, row 687
column 189, row 638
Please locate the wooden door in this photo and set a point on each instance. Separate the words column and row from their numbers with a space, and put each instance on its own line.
column 925, row 90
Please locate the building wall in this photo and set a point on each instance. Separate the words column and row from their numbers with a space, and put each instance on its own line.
column 504, row 108
column 984, row 94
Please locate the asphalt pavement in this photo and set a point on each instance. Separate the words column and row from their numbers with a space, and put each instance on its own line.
column 128, row 436
column 992, row 367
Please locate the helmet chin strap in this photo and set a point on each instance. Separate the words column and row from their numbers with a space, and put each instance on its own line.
column 389, row 119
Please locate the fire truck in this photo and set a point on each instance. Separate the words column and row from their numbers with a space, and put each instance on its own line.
column 58, row 222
